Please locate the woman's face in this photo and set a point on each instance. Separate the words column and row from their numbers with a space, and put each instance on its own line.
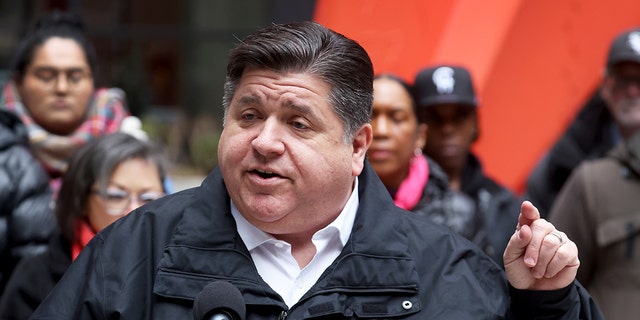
column 57, row 86
column 396, row 132
column 133, row 183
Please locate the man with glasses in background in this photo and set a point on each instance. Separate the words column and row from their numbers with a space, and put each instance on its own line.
column 597, row 128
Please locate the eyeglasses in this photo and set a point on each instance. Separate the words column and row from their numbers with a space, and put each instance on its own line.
column 623, row 82
column 117, row 201
column 50, row 76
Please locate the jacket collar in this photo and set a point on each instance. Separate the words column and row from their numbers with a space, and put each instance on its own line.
column 628, row 153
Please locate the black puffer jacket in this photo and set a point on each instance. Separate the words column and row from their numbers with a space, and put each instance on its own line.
column 26, row 218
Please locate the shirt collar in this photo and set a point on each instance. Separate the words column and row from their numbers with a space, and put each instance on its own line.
column 254, row 237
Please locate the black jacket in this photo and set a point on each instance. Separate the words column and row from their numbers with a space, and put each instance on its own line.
column 36, row 277
column 451, row 208
column 26, row 217
column 396, row 265
column 590, row 136
column 497, row 205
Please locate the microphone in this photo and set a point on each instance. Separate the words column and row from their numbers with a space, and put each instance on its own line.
column 219, row 300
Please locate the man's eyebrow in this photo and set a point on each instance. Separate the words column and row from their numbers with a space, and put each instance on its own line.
column 301, row 108
column 251, row 99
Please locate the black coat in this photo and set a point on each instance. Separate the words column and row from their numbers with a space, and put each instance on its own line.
column 26, row 217
column 451, row 208
column 396, row 265
column 36, row 277
column 497, row 206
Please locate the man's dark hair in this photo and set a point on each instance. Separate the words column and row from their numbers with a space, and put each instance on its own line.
column 60, row 24
column 92, row 165
column 308, row 47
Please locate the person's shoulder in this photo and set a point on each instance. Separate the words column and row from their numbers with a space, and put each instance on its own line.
column 592, row 171
column 443, row 248
column 12, row 130
column 423, row 231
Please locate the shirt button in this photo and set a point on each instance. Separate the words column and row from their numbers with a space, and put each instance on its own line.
column 407, row 305
column 279, row 245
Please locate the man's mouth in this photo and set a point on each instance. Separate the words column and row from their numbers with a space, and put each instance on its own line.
column 265, row 174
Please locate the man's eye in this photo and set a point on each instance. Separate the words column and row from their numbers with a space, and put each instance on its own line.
column 76, row 76
column 249, row 116
column 45, row 75
column 299, row 125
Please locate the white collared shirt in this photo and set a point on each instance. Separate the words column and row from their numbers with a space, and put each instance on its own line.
column 273, row 257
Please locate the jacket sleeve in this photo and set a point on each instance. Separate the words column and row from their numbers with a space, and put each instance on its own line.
column 570, row 303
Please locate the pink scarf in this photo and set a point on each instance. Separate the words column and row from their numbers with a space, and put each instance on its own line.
column 104, row 115
column 410, row 190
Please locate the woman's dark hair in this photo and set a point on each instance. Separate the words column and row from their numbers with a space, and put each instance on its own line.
column 308, row 47
column 407, row 87
column 61, row 24
column 93, row 164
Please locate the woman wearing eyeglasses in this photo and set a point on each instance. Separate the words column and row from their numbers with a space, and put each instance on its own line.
column 107, row 178
column 53, row 107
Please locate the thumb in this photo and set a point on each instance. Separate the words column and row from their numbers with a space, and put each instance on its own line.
column 517, row 246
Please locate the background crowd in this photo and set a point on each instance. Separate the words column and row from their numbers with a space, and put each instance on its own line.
column 57, row 161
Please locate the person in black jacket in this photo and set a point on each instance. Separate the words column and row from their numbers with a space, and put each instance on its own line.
column 107, row 178
column 52, row 92
column 297, row 220
column 593, row 132
column 448, row 104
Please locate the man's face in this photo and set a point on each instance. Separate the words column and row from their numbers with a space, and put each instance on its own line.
column 283, row 156
column 57, row 86
column 621, row 92
column 452, row 130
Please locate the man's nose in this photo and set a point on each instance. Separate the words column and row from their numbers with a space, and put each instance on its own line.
column 62, row 83
column 269, row 140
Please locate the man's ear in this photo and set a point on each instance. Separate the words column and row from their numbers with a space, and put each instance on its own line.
column 361, row 142
column 476, row 127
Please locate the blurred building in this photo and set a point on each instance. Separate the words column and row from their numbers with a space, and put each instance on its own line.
column 168, row 55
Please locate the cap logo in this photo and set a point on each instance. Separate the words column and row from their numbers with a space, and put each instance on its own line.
column 634, row 41
column 443, row 79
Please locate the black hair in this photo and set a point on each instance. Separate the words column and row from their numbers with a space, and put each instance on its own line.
column 405, row 85
column 61, row 24
column 308, row 47
column 94, row 163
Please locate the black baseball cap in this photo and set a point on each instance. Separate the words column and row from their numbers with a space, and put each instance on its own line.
column 444, row 84
column 625, row 47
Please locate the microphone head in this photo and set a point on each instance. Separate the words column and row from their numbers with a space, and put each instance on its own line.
column 219, row 297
